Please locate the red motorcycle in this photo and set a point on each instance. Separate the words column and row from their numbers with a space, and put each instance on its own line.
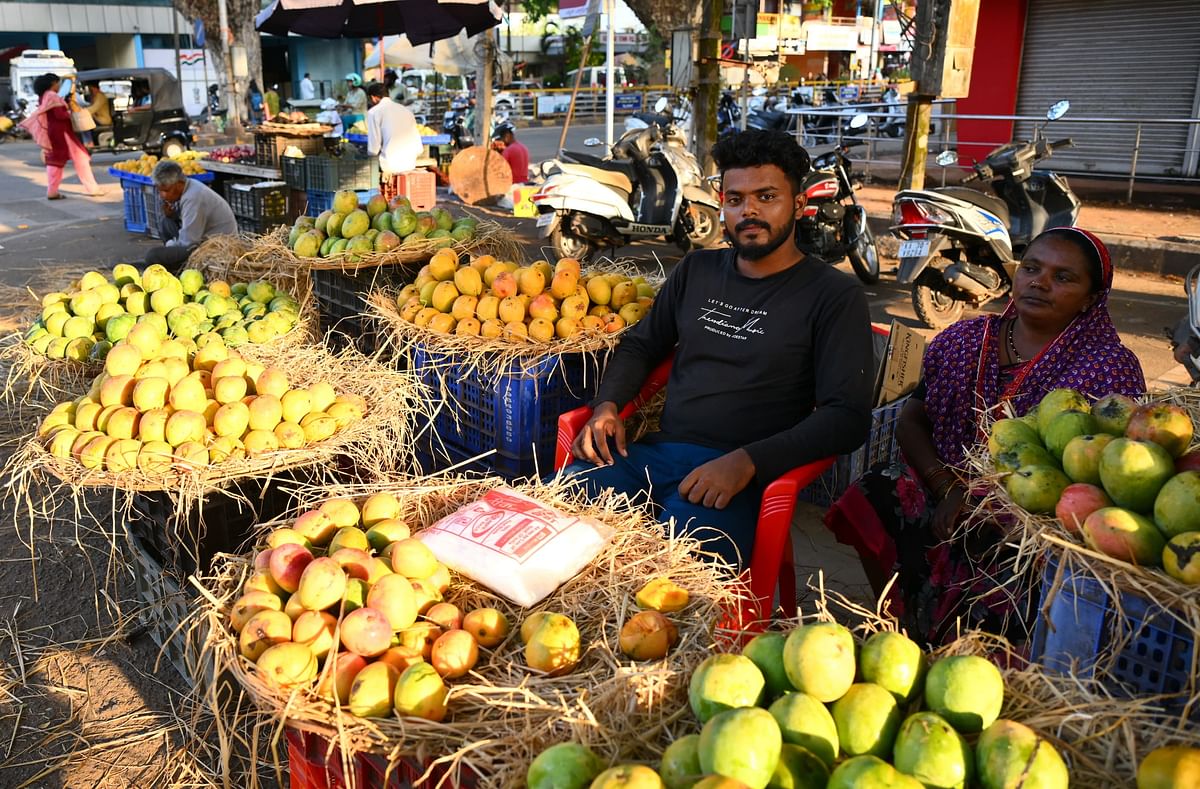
column 834, row 224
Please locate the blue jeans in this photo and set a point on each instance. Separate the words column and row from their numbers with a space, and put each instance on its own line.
column 657, row 469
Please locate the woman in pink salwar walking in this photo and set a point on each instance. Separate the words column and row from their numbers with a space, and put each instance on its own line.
column 50, row 126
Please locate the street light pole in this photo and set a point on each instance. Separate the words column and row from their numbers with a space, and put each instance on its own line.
column 609, row 99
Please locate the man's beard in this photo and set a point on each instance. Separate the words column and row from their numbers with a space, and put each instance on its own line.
column 760, row 251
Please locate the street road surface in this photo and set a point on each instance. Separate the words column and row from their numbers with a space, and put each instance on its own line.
column 37, row 236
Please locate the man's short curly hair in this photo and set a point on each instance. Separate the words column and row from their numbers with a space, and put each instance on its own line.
column 756, row 147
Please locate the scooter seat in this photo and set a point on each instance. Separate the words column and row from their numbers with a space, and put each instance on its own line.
column 988, row 203
column 610, row 178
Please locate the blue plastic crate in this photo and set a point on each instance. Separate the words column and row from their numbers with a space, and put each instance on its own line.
column 513, row 412
column 341, row 298
column 1079, row 622
column 135, row 206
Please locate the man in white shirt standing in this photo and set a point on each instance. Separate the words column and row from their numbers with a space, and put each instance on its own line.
column 307, row 89
column 391, row 133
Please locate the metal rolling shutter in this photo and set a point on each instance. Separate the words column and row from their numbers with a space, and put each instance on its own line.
column 1113, row 58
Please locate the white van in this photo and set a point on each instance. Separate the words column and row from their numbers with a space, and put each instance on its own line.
column 596, row 77
column 32, row 63
column 421, row 83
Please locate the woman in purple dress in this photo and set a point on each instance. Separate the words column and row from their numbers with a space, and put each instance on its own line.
column 903, row 518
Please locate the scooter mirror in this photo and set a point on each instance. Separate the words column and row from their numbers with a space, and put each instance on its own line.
column 1057, row 110
column 858, row 121
column 591, row 142
column 660, row 106
column 947, row 158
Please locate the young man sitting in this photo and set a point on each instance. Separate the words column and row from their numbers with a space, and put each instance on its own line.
column 772, row 364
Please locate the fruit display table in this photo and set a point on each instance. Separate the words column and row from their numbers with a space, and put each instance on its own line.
column 244, row 170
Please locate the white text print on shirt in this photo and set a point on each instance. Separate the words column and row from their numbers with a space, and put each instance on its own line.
column 729, row 320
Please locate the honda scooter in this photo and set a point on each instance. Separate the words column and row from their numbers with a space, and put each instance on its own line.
column 649, row 185
column 961, row 246
column 833, row 224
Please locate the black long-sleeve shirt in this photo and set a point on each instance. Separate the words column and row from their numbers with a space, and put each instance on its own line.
column 780, row 366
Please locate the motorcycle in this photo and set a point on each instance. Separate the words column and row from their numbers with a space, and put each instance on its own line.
column 833, row 224
column 650, row 185
column 10, row 122
column 892, row 121
column 960, row 245
column 457, row 123
column 667, row 112
column 729, row 114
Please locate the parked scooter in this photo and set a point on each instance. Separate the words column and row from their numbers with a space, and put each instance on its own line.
column 833, row 224
column 961, row 246
column 10, row 122
column 650, row 185
column 674, row 111
column 457, row 123
column 1185, row 341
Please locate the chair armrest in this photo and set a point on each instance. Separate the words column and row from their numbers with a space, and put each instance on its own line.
column 771, row 538
column 570, row 423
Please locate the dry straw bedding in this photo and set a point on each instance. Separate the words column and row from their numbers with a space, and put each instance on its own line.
column 489, row 237
column 504, row 713
column 32, row 381
column 1102, row 737
column 376, row 446
column 489, row 356
column 1032, row 538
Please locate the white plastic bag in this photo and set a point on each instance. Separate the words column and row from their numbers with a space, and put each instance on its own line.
column 516, row 546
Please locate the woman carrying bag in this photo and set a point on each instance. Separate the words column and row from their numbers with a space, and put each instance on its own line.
column 50, row 126
column 81, row 120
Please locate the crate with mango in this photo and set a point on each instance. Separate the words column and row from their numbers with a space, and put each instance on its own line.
column 540, row 303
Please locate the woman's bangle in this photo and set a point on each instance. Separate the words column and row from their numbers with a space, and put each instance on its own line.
column 940, row 481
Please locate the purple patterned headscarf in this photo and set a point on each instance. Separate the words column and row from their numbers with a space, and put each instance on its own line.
column 962, row 367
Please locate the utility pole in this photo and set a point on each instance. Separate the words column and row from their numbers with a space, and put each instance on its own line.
column 708, row 82
column 587, row 52
column 609, row 94
column 483, row 92
column 233, row 115
column 941, row 65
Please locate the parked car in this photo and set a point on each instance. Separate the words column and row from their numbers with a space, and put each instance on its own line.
column 596, row 76
column 508, row 97
column 147, row 111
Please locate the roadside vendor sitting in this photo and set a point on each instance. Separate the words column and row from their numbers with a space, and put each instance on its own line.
column 904, row 517
column 772, row 364
column 191, row 212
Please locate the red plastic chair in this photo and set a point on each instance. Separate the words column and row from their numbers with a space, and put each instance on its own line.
column 771, row 561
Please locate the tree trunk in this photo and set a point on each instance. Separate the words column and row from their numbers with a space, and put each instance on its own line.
column 708, row 83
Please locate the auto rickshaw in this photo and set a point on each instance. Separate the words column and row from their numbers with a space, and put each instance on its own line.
column 147, row 111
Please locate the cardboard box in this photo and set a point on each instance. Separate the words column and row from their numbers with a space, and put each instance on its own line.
column 901, row 369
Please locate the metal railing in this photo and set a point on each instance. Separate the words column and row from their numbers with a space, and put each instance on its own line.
column 1115, row 155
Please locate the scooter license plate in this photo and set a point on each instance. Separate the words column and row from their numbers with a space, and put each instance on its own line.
column 545, row 219
column 914, row 249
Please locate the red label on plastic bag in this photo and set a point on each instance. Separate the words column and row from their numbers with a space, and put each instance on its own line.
column 510, row 525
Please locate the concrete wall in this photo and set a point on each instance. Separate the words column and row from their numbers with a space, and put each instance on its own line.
column 999, row 39
column 88, row 18
column 328, row 60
